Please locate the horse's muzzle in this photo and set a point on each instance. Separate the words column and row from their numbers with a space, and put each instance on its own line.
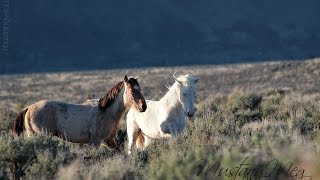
column 144, row 108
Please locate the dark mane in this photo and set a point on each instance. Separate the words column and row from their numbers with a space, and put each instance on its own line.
column 109, row 98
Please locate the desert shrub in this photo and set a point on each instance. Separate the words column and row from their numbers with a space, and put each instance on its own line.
column 226, row 115
column 91, row 154
column 225, row 130
column 293, row 106
column 211, row 106
column 201, row 163
column 304, row 125
column 6, row 121
column 244, row 108
column 214, row 117
column 270, row 107
column 309, row 123
column 177, row 166
column 39, row 156
column 115, row 167
column 271, row 143
column 244, row 101
column 303, row 115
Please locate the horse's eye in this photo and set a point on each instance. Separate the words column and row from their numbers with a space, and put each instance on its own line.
column 184, row 94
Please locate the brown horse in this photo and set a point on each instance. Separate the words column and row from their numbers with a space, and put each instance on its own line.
column 83, row 123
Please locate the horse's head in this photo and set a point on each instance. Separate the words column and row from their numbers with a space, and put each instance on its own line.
column 187, row 92
column 133, row 95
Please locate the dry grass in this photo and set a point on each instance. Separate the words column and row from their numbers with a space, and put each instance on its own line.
column 20, row 90
column 265, row 111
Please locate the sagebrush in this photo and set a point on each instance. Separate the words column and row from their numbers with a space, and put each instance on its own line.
column 255, row 127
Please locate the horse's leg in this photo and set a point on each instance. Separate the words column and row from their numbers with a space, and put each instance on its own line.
column 133, row 132
column 112, row 144
column 29, row 132
column 28, row 126
column 147, row 141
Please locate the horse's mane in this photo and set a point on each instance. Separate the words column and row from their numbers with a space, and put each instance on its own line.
column 110, row 97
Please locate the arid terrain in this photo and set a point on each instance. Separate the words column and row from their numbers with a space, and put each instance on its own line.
column 75, row 87
column 266, row 112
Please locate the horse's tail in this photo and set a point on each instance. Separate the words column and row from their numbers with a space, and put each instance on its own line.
column 140, row 140
column 18, row 125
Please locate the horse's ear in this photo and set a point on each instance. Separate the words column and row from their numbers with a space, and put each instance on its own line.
column 175, row 78
column 126, row 78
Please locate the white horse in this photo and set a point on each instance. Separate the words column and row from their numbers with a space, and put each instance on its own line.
column 164, row 118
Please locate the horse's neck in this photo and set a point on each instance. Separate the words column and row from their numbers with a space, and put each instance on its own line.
column 117, row 108
column 171, row 99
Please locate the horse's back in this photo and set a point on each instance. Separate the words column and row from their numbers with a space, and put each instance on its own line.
column 59, row 118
